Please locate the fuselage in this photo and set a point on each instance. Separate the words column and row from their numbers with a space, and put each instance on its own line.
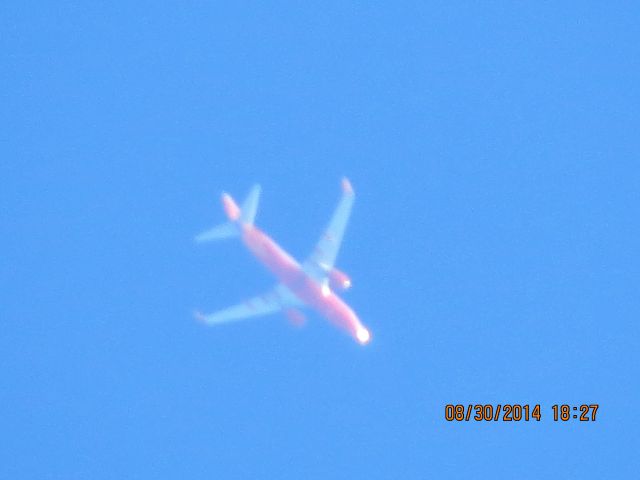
column 290, row 273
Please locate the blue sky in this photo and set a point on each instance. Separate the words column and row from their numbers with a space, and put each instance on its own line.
column 493, row 245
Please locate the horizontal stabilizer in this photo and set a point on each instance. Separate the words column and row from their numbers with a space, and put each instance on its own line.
column 250, row 206
column 226, row 230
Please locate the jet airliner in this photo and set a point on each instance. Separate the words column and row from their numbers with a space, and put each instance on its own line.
column 310, row 284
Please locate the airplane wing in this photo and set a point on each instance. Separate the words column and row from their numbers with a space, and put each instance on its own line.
column 274, row 300
column 323, row 257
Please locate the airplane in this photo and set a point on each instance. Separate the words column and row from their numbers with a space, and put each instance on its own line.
column 309, row 284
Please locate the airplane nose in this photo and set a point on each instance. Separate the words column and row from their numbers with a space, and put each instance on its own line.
column 363, row 335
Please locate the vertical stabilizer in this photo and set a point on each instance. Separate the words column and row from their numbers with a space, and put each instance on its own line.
column 230, row 207
column 237, row 216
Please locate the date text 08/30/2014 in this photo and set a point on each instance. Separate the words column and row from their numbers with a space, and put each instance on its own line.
column 515, row 412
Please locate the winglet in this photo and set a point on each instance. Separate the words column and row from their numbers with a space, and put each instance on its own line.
column 346, row 186
column 199, row 316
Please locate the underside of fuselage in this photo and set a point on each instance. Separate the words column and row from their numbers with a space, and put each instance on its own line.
column 290, row 273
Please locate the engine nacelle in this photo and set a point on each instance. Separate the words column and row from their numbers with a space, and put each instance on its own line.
column 339, row 280
column 296, row 317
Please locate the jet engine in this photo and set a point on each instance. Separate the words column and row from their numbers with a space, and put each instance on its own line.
column 296, row 317
column 339, row 280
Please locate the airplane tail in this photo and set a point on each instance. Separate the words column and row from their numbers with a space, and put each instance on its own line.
column 237, row 216
column 250, row 206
